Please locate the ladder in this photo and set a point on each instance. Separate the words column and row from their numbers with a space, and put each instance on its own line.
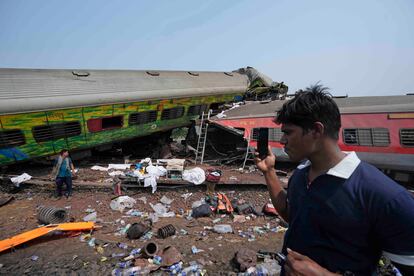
column 249, row 152
column 202, row 137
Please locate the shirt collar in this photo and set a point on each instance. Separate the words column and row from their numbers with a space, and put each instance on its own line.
column 343, row 169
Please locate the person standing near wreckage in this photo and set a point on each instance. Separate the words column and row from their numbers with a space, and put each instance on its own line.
column 62, row 173
column 343, row 213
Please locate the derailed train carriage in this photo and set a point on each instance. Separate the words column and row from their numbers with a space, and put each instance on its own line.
column 43, row 111
column 379, row 129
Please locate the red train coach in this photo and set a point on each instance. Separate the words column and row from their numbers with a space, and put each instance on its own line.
column 380, row 129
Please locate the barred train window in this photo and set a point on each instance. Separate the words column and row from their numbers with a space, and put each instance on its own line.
column 377, row 137
column 56, row 131
column 172, row 113
column 11, row 138
column 144, row 117
column 275, row 134
column 197, row 109
column 407, row 137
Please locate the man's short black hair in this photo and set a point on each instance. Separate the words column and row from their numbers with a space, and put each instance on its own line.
column 314, row 104
column 63, row 151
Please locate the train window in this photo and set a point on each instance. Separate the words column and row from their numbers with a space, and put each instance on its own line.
column 11, row 138
column 112, row 122
column 350, row 136
column 144, row 117
column 377, row 137
column 172, row 113
column 407, row 137
column 100, row 124
column 380, row 137
column 275, row 134
column 197, row 109
column 56, row 131
column 364, row 137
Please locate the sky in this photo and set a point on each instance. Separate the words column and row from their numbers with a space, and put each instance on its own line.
column 356, row 48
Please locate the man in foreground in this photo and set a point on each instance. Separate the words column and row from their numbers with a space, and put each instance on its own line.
column 342, row 213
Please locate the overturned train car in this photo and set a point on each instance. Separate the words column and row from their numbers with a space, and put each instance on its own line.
column 43, row 111
column 379, row 129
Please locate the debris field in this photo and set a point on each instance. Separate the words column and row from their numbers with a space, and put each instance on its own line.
column 202, row 243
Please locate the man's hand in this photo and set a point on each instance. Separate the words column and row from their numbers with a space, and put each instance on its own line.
column 266, row 164
column 298, row 264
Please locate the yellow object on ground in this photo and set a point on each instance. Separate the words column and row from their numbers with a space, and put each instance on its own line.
column 38, row 232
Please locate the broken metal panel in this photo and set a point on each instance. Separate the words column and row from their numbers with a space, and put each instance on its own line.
column 230, row 129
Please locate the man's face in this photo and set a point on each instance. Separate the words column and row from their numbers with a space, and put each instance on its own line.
column 65, row 154
column 297, row 143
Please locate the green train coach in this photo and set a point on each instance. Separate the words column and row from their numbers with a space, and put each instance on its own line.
column 45, row 110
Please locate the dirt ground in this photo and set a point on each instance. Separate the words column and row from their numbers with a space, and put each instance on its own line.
column 66, row 255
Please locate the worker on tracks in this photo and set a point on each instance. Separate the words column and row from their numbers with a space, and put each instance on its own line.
column 62, row 172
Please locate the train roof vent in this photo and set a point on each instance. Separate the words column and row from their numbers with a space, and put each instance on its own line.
column 80, row 73
column 407, row 137
column 153, row 73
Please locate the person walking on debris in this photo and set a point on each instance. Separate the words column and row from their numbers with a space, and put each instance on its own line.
column 342, row 213
column 62, row 173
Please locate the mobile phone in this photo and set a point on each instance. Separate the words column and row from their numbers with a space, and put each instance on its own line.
column 280, row 258
column 263, row 142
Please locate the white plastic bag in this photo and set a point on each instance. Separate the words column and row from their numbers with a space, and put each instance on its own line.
column 156, row 170
column 116, row 173
column 151, row 181
column 165, row 200
column 161, row 210
column 195, row 176
column 119, row 166
column 21, row 178
column 99, row 168
column 122, row 202
column 90, row 217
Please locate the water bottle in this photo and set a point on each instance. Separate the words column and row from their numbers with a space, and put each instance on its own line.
column 175, row 268
column 116, row 272
column 117, row 255
column 136, row 270
column 122, row 245
column 223, row 228
column 124, row 264
column 157, row 259
column 261, row 271
column 135, row 251
column 192, row 268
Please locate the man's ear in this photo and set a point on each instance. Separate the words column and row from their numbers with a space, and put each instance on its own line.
column 318, row 129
